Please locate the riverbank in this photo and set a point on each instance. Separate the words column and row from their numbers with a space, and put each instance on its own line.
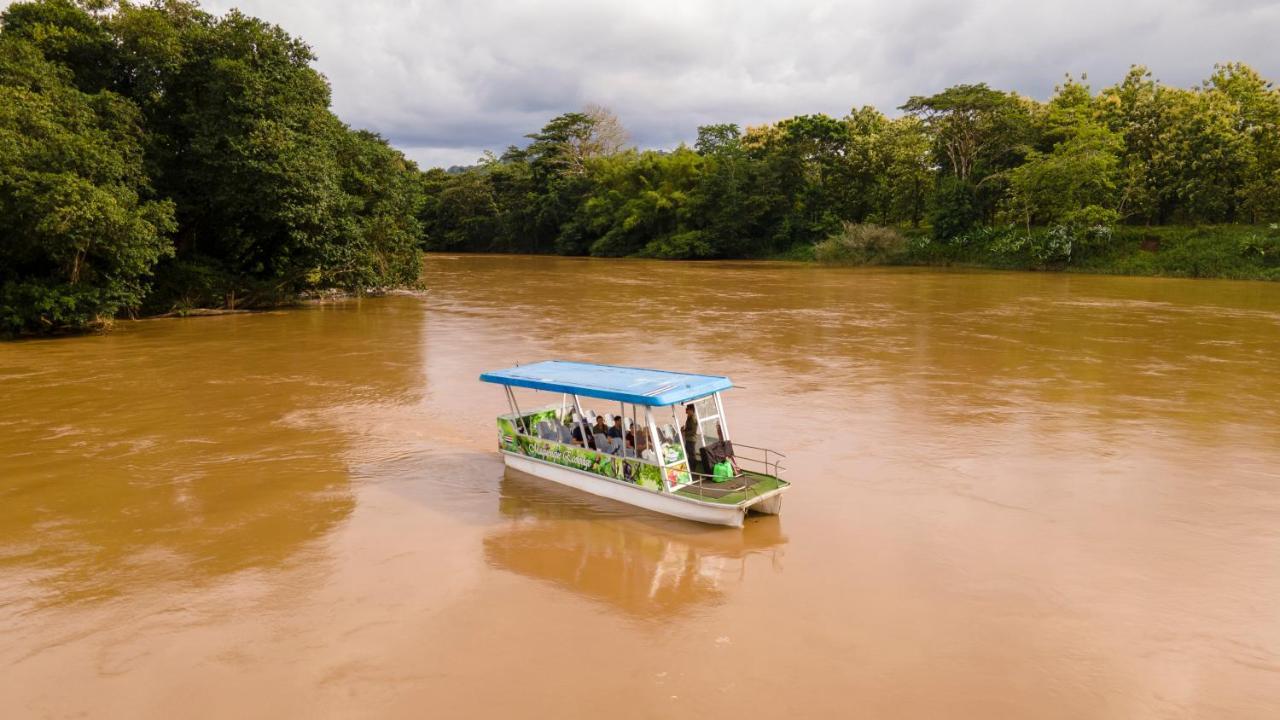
column 1232, row 252
column 312, row 297
column 1229, row 252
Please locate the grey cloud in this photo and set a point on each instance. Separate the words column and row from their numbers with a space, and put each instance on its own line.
column 445, row 80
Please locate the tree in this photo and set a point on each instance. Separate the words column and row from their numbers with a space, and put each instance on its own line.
column 639, row 205
column 861, row 173
column 909, row 171
column 1207, row 158
column 1078, row 169
column 386, row 195
column 1137, row 110
column 1071, row 107
column 78, row 239
column 1080, row 172
column 805, row 161
column 725, row 206
column 66, row 34
column 978, row 133
column 465, row 215
column 1256, row 118
column 568, row 141
column 271, row 193
column 608, row 136
column 970, row 124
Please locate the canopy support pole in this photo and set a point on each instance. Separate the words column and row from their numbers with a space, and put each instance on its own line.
column 724, row 421
column 511, row 396
column 582, row 422
column 657, row 448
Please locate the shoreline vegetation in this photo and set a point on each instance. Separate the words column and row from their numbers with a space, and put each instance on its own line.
column 159, row 160
column 1231, row 252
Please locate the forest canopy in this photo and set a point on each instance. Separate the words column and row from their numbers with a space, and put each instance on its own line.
column 155, row 157
column 968, row 157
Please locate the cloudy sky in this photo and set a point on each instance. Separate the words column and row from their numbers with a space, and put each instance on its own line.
column 446, row 79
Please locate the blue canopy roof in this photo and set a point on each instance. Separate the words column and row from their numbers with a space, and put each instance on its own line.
column 610, row 382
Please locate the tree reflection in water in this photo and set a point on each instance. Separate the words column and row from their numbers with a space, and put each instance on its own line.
column 173, row 453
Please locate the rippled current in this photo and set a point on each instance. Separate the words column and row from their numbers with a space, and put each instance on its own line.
column 1015, row 495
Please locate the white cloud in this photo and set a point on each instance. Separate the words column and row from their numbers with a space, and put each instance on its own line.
column 444, row 157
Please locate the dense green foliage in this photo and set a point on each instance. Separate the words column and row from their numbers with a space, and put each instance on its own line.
column 1243, row 252
column 158, row 157
column 1033, row 184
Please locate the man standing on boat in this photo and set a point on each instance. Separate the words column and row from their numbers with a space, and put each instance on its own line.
column 691, row 438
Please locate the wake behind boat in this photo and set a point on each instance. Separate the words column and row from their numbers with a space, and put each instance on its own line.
column 646, row 455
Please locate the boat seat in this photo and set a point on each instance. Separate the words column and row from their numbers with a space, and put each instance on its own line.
column 602, row 442
column 607, row 444
column 566, row 435
column 544, row 430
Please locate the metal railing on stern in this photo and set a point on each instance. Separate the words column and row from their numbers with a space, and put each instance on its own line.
column 769, row 463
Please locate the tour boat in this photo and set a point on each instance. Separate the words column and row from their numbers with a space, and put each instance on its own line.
column 639, row 456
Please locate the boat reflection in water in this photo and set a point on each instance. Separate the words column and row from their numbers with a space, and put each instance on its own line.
column 645, row 564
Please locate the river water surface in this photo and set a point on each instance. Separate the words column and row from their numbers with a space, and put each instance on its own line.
column 1015, row 495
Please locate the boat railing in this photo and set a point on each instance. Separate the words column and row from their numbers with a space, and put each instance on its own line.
column 769, row 462
column 772, row 465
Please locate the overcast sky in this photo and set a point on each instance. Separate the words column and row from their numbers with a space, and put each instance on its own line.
column 444, row 80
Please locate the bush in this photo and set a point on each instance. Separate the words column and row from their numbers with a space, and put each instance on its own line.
column 685, row 245
column 1263, row 248
column 861, row 244
column 1039, row 247
column 1091, row 227
column 1088, row 229
column 991, row 237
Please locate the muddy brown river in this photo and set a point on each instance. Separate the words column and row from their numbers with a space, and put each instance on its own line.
column 1015, row 495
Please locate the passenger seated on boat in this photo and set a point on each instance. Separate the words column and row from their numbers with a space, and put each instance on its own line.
column 600, row 442
column 668, row 435
column 572, row 432
column 630, row 449
column 601, row 427
column 546, row 432
column 610, row 439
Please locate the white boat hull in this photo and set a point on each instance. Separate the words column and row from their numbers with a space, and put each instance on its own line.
column 770, row 505
column 661, row 502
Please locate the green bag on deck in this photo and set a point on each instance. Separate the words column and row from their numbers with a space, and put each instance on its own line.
column 722, row 471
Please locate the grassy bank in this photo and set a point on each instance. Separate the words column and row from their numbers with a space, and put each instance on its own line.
column 1240, row 252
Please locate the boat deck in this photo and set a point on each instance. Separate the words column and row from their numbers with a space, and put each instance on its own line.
column 744, row 487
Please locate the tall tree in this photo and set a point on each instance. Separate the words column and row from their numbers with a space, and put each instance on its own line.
column 908, row 181
column 971, row 124
column 78, row 239
column 1255, row 118
column 978, row 133
column 608, row 136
